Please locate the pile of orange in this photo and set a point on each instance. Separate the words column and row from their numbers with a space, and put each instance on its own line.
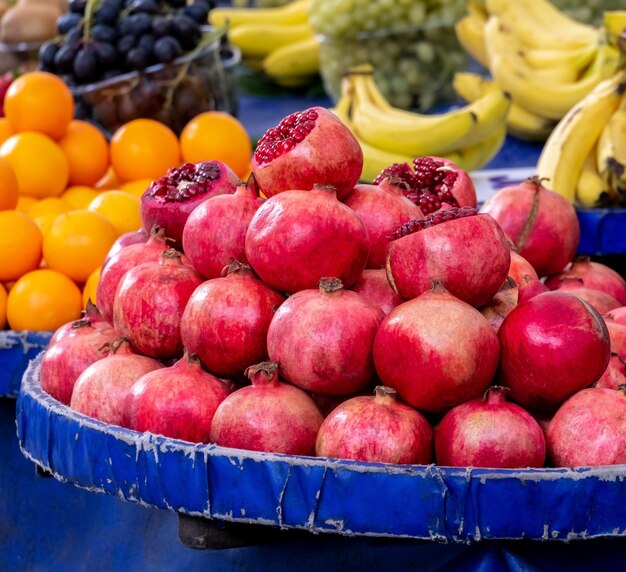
column 66, row 193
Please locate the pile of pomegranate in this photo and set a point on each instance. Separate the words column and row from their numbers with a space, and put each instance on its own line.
column 391, row 322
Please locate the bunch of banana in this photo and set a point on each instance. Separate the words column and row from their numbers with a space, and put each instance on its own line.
column 547, row 61
column 278, row 41
column 584, row 159
column 470, row 136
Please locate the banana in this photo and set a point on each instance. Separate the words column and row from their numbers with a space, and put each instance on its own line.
column 258, row 40
column 294, row 60
column 611, row 149
column 564, row 153
column 539, row 25
column 521, row 123
column 591, row 189
column 476, row 156
column 293, row 13
column 615, row 24
column 543, row 59
column 470, row 31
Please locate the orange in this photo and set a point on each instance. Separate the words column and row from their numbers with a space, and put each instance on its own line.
column 9, row 188
column 217, row 136
column 43, row 300
column 20, row 245
column 38, row 162
column 89, row 290
column 5, row 130
column 79, row 196
column 39, row 101
column 110, row 180
column 45, row 211
column 144, row 149
column 3, row 307
column 137, row 188
column 24, row 202
column 87, row 153
column 120, row 208
column 77, row 243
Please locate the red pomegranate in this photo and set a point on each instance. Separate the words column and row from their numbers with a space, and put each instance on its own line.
column 327, row 403
column 431, row 184
column 307, row 148
column 520, row 267
column 124, row 240
column 376, row 429
column 501, row 304
column 298, row 237
column 91, row 317
column 436, row 350
column 592, row 275
column 215, row 232
column 169, row 201
column 618, row 315
column 226, row 321
column 489, row 432
column 381, row 210
column 615, row 373
column 541, row 223
column 65, row 360
column 552, row 346
column 589, row 429
column 529, row 288
column 617, row 335
column 465, row 251
column 177, row 401
column 374, row 286
column 102, row 390
column 600, row 300
column 322, row 339
column 149, row 303
column 267, row 416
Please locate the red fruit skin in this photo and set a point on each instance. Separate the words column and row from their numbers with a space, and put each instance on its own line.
column 329, row 155
column 589, row 429
column 614, row 375
column 617, row 335
column 618, row 315
column 520, row 267
column 489, row 433
column 92, row 317
column 552, row 229
column 436, row 351
column 215, row 232
column 500, row 306
column 376, row 430
column 64, row 361
column 103, row 389
column 529, row 288
column 267, row 416
column 552, row 346
column 469, row 256
column 322, row 341
column 177, row 401
column 298, row 237
column 601, row 301
column 593, row 275
column 381, row 212
column 149, row 304
column 127, row 239
column 374, row 286
column 226, row 321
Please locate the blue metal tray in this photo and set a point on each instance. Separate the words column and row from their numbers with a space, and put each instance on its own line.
column 16, row 350
column 318, row 495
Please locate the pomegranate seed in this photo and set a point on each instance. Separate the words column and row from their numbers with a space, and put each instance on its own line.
column 186, row 181
column 279, row 140
column 432, row 220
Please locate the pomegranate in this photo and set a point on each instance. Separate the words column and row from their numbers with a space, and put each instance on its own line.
column 589, row 429
column 169, row 201
column 267, row 416
column 297, row 237
column 431, row 184
column 327, row 403
column 64, row 361
column 91, row 317
column 501, row 304
column 322, row 339
column 617, row 335
column 374, row 286
column 126, row 258
column 618, row 315
column 551, row 346
column 102, row 390
column 381, row 211
column 615, row 373
column 543, row 419
column 489, row 432
column 541, row 223
column 600, row 300
column 226, row 321
column 529, row 287
column 215, row 232
column 149, row 303
column 307, row 148
column 376, row 429
column 126, row 239
column 436, row 350
column 520, row 267
column 465, row 251
column 177, row 401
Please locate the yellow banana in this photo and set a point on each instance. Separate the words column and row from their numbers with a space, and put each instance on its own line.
column 470, row 31
column 476, row 156
column 564, row 153
column 550, row 58
column 591, row 189
column 615, row 24
column 293, row 13
column 298, row 59
column 611, row 149
column 258, row 40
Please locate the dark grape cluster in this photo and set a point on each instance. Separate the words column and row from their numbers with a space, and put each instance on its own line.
column 120, row 36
